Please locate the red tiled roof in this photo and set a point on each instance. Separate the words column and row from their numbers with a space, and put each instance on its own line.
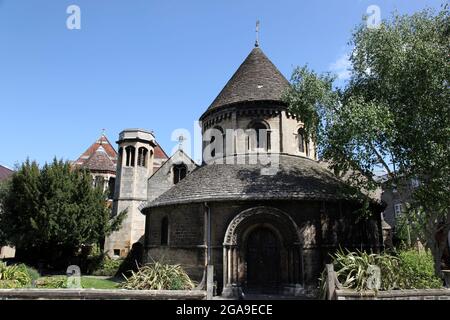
column 159, row 153
column 101, row 156
column 101, row 142
column 5, row 173
column 99, row 161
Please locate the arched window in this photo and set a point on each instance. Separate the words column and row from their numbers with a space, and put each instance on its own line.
column 130, row 153
column 213, row 151
column 261, row 138
column 99, row 182
column 142, row 157
column 301, row 140
column 222, row 147
column 165, row 231
column 111, row 185
column 120, row 157
column 179, row 172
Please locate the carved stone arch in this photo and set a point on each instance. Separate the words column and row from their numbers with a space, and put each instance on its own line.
column 236, row 244
column 262, row 214
column 254, row 122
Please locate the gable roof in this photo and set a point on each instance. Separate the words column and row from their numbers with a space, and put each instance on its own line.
column 5, row 173
column 178, row 156
column 257, row 79
column 107, row 147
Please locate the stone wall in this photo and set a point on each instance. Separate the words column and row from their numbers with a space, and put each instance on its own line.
column 96, row 294
column 423, row 294
column 284, row 128
column 162, row 179
column 322, row 227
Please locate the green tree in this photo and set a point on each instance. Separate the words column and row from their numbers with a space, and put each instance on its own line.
column 50, row 213
column 392, row 114
column 3, row 191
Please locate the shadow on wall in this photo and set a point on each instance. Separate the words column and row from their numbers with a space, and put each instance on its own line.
column 133, row 261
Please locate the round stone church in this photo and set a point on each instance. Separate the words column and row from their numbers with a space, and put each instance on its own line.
column 261, row 209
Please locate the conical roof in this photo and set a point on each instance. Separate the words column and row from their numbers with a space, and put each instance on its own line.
column 257, row 79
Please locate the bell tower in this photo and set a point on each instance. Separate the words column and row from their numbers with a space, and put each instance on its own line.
column 134, row 167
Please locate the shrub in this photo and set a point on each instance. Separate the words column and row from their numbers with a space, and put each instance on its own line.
column 108, row 267
column 10, row 284
column 406, row 269
column 158, row 276
column 32, row 272
column 417, row 270
column 351, row 269
column 58, row 282
column 16, row 273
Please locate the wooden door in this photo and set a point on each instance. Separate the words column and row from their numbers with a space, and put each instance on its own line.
column 263, row 260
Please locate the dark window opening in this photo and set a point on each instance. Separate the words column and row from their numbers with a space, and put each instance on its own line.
column 120, row 156
column 117, row 252
column 142, row 157
column 165, row 231
column 213, row 151
column 99, row 182
column 130, row 153
column 218, row 149
column 262, row 138
column 302, row 145
column 179, row 172
column 111, row 186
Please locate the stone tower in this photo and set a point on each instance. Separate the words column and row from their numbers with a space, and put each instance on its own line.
column 134, row 167
column 251, row 100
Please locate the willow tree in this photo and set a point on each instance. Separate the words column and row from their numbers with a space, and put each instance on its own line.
column 392, row 114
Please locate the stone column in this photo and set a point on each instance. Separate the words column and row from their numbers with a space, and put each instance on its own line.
column 225, row 265
column 231, row 286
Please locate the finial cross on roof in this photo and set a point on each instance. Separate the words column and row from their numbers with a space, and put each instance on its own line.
column 257, row 34
column 181, row 139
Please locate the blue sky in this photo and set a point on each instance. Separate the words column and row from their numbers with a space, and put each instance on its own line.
column 155, row 65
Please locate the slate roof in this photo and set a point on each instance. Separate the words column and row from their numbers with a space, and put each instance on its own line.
column 257, row 79
column 298, row 178
column 100, row 161
column 5, row 173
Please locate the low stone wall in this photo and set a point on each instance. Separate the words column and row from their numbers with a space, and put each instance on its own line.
column 423, row 294
column 96, row 294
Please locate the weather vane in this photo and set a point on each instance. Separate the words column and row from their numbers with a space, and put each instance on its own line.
column 257, row 34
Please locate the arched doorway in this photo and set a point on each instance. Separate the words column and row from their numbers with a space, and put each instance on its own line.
column 263, row 261
column 261, row 252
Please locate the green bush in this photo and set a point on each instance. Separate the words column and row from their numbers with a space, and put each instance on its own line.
column 351, row 269
column 417, row 270
column 108, row 267
column 10, row 284
column 58, row 282
column 405, row 269
column 32, row 272
column 158, row 276
column 15, row 273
